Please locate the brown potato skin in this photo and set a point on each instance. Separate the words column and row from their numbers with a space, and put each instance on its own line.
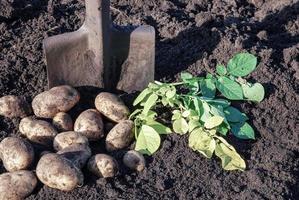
column 16, row 154
column 90, row 124
column 58, row 172
column 37, row 131
column 63, row 122
column 58, row 99
column 120, row 135
column 134, row 160
column 103, row 165
column 17, row 185
column 112, row 107
column 13, row 106
column 69, row 138
column 77, row 154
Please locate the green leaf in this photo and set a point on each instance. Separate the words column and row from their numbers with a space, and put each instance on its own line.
column 135, row 113
column 205, row 111
column 209, row 76
column 163, row 89
column 186, row 75
column 217, row 110
column 221, row 70
column 230, row 89
column 186, row 113
column 153, row 86
column 148, row 140
column 219, row 102
column 208, row 88
column 164, row 101
column 200, row 141
column 234, row 115
column 176, row 114
column 186, row 101
column 221, row 139
column 180, row 126
column 142, row 96
column 171, row 93
column 254, row 93
column 193, row 115
column 150, row 102
column 159, row 128
column 213, row 122
column 193, row 124
column 230, row 159
column 222, row 129
column 151, row 115
column 197, row 105
column 241, row 64
column 243, row 130
column 136, row 131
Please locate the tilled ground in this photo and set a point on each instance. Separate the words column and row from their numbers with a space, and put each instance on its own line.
column 192, row 35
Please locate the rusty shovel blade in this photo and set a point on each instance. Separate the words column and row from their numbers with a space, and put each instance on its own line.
column 99, row 55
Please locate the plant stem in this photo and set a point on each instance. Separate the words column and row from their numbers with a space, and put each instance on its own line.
column 176, row 84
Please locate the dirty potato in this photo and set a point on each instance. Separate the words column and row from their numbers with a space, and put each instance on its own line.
column 17, row 185
column 63, row 122
column 58, row 172
column 77, row 154
column 112, row 107
column 13, row 106
column 38, row 131
column 120, row 136
column 58, row 99
column 103, row 165
column 16, row 154
column 90, row 124
column 134, row 160
column 69, row 138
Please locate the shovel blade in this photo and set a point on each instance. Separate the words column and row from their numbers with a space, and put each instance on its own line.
column 71, row 61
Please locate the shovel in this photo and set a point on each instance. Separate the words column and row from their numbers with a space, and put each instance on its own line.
column 100, row 55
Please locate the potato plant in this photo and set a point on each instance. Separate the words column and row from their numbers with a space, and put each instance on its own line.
column 203, row 111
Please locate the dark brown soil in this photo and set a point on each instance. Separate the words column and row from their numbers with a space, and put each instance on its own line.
column 192, row 35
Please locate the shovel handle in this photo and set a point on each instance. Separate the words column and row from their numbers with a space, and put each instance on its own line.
column 97, row 15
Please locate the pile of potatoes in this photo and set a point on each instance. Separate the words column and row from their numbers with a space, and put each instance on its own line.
column 67, row 141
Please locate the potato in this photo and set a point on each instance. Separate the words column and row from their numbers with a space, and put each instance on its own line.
column 69, row 138
column 16, row 154
column 17, row 185
column 12, row 106
column 134, row 160
column 63, row 122
column 58, row 172
column 77, row 154
column 103, row 165
column 112, row 107
column 120, row 136
column 58, row 99
column 37, row 131
column 90, row 124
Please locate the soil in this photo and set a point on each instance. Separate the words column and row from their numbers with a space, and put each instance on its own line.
column 192, row 36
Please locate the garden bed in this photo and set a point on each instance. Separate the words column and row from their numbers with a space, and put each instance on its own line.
column 192, row 36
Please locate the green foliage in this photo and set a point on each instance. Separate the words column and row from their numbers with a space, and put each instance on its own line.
column 229, row 88
column 253, row 92
column 241, row 64
column 201, row 141
column 199, row 111
column 221, row 70
column 148, row 140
